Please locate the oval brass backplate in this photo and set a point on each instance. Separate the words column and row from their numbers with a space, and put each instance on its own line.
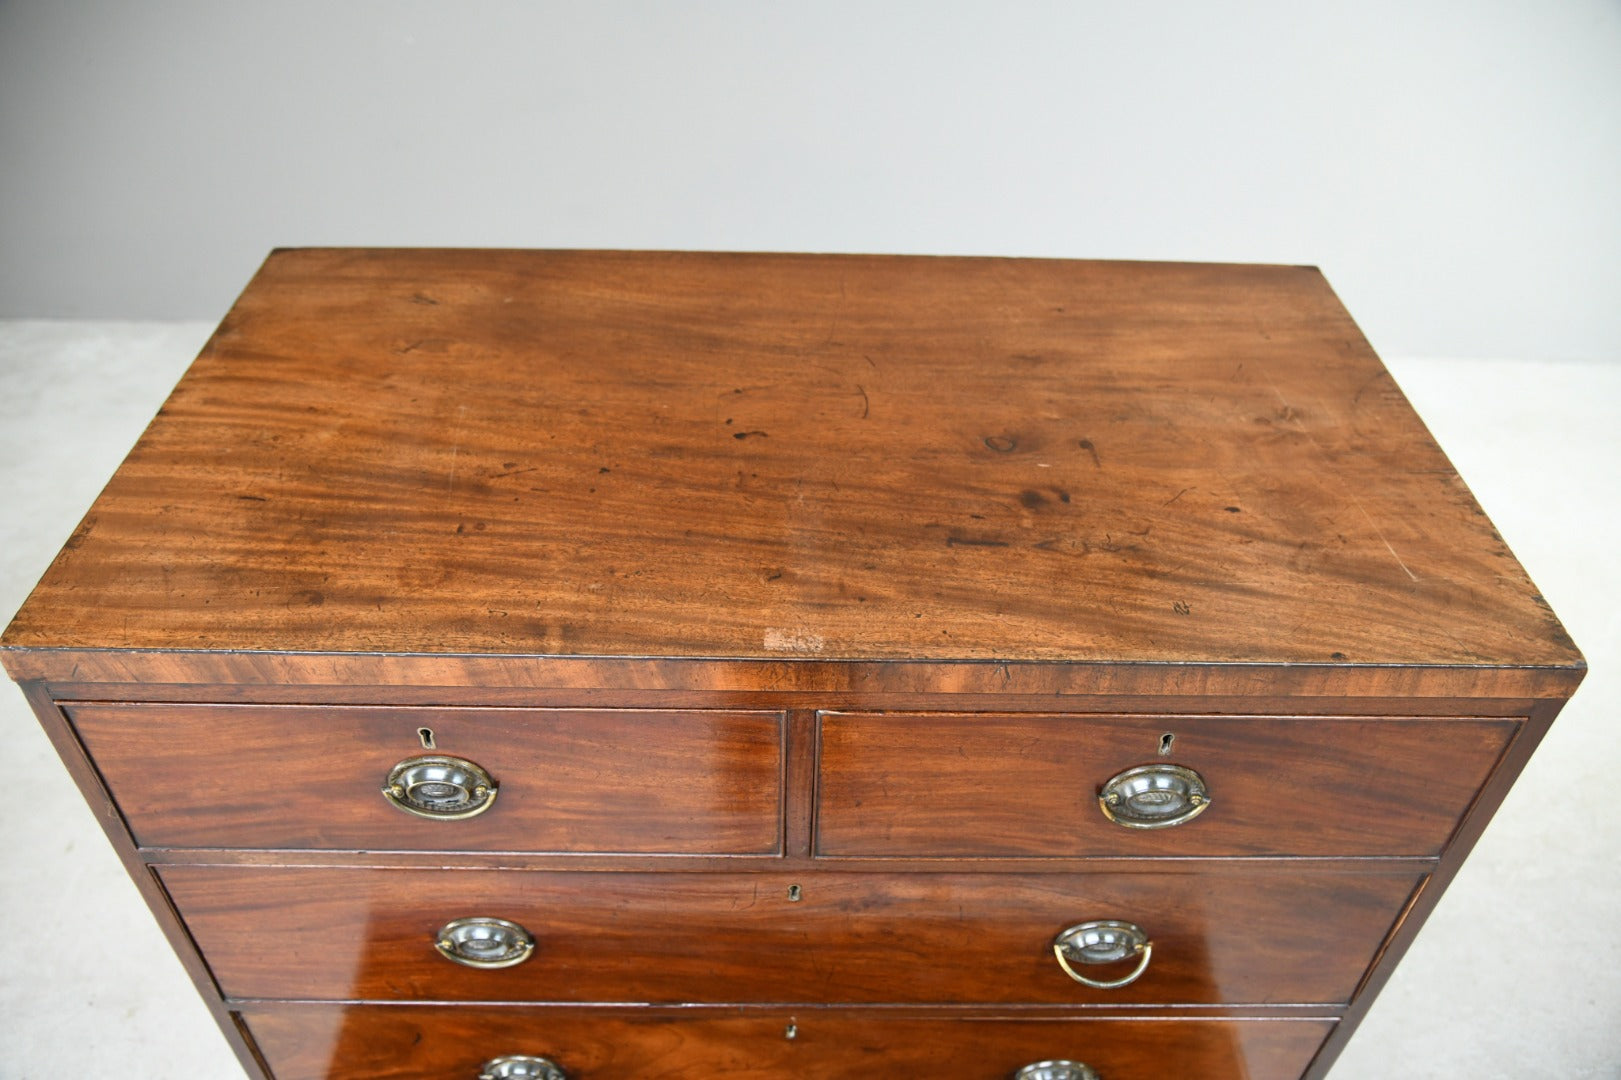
column 439, row 787
column 1057, row 1070
column 483, row 942
column 1154, row 796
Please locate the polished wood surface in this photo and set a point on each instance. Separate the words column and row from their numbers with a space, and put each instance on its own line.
column 1222, row 935
column 252, row 776
column 972, row 785
column 409, row 1043
column 248, row 676
column 760, row 456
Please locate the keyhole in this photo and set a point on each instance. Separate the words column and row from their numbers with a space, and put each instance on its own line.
column 793, row 894
column 791, row 1031
column 1165, row 742
column 426, row 735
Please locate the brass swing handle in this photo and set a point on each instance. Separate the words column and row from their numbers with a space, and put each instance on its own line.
column 1156, row 796
column 1103, row 941
column 440, row 787
column 1057, row 1070
column 521, row 1067
column 483, row 942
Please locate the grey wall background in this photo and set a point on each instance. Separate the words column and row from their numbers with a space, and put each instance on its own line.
column 1453, row 166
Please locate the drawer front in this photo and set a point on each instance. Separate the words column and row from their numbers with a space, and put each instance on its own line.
column 996, row 785
column 567, row 780
column 1263, row 935
column 380, row 1042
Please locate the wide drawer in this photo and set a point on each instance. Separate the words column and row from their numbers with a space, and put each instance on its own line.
column 1220, row 935
column 895, row 784
column 380, row 1042
column 568, row 780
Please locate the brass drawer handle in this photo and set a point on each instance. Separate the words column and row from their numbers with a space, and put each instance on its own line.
column 1057, row 1070
column 1103, row 941
column 439, row 787
column 1154, row 797
column 520, row 1067
column 484, row 943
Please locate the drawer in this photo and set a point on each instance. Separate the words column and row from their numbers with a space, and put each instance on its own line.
column 567, row 780
column 1220, row 935
column 381, row 1042
column 895, row 784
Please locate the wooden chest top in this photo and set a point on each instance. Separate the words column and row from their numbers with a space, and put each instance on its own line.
column 793, row 458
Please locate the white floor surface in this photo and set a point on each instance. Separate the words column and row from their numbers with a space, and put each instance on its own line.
column 1517, row 974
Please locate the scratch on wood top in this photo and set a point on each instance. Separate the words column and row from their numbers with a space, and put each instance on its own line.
column 1380, row 534
column 794, row 641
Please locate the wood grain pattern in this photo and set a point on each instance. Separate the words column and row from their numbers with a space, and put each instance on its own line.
column 921, row 784
column 1222, row 935
column 378, row 1042
column 778, row 457
column 246, row 676
column 570, row 780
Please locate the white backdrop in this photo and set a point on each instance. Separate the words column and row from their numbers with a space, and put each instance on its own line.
column 1452, row 166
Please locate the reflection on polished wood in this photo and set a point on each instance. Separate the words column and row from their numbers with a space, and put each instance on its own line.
column 378, row 1042
column 898, row 784
column 1222, row 934
column 571, row 780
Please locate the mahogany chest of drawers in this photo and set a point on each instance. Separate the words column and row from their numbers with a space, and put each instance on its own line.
column 609, row 665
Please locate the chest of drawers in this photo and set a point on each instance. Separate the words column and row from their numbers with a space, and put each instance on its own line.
column 611, row 665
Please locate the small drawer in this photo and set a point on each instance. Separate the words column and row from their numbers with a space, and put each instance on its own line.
column 382, row 1042
column 895, row 784
column 563, row 780
column 1218, row 935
